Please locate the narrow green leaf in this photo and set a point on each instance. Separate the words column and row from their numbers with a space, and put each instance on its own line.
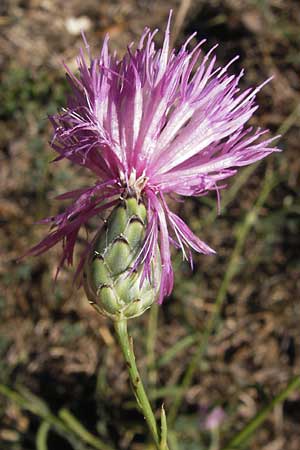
column 164, row 429
column 150, row 344
column 50, row 418
column 173, row 351
column 241, row 438
column 241, row 234
column 164, row 392
column 41, row 436
column 77, row 428
column 39, row 404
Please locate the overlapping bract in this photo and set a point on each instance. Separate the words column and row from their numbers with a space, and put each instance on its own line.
column 151, row 124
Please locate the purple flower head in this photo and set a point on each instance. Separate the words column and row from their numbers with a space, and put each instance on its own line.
column 211, row 420
column 153, row 124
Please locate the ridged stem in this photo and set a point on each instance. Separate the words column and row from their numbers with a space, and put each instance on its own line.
column 126, row 345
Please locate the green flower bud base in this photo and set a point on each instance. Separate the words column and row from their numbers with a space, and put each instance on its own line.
column 110, row 284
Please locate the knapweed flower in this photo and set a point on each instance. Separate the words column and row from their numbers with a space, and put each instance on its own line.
column 212, row 420
column 152, row 125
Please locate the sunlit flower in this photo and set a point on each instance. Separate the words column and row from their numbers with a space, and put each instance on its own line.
column 153, row 124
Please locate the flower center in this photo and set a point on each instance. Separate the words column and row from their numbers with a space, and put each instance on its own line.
column 135, row 185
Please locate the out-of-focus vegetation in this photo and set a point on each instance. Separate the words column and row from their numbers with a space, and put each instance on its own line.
column 228, row 340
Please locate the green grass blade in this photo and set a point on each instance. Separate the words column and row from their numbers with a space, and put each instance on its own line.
column 164, row 392
column 241, row 234
column 242, row 437
column 164, row 430
column 77, row 428
column 176, row 349
column 150, row 345
column 38, row 409
column 41, row 436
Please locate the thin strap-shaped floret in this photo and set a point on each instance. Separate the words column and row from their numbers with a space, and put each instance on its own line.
column 65, row 227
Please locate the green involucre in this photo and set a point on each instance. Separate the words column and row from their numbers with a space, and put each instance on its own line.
column 110, row 284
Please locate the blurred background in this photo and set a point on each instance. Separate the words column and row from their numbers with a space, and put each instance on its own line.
column 227, row 341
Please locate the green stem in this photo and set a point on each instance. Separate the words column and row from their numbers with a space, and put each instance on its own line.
column 215, row 439
column 241, row 438
column 232, row 267
column 150, row 345
column 140, row 394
